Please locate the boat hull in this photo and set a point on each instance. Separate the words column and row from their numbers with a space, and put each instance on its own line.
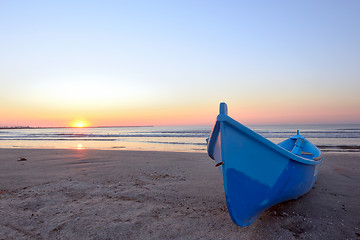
column 257, row 173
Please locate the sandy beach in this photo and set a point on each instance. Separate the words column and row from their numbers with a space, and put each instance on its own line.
column 95, row 194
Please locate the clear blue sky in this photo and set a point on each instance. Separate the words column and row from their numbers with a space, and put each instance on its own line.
column 271, row 61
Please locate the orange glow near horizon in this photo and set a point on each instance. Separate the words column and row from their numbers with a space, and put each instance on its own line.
column 246, row 112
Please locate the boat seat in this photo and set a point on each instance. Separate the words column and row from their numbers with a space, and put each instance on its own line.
column 306, row 153
column 299, row 145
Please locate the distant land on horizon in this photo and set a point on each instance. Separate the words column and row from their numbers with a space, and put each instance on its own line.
column 28, row 127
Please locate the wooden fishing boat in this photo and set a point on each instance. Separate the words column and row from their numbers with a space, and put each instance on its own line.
column 258, row 173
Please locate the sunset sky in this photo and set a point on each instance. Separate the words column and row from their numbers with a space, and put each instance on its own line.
column 110, row 63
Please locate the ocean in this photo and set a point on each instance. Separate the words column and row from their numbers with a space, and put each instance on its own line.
column 329, row 138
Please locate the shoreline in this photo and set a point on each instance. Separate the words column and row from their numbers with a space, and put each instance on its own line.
column 98, row 194
column 328, row 138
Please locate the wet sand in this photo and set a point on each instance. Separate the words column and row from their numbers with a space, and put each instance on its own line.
column 94, row 194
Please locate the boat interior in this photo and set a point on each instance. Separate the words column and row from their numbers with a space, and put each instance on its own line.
column 298, row 145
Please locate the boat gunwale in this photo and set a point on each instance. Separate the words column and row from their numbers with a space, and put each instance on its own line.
column 225, row 118
column 212, row 139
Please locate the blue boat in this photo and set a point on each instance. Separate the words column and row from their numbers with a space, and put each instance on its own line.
column 258, row 173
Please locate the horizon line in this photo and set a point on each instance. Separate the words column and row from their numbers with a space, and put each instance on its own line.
column 28, row 127
column 133, row 126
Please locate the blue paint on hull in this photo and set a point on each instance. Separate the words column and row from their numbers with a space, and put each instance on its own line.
column 257, row 173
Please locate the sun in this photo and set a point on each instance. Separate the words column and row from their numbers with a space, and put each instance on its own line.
column 79, row 124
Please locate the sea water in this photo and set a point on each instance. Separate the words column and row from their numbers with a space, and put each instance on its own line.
column 329, row 138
